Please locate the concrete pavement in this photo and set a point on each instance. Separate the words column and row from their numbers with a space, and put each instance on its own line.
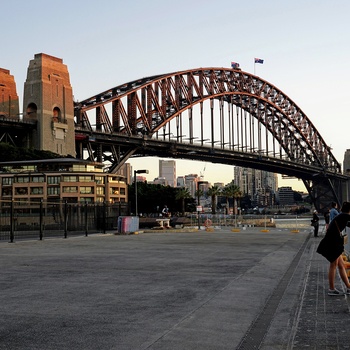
column 170, row 290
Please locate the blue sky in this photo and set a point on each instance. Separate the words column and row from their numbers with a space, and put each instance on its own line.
column 305, row 46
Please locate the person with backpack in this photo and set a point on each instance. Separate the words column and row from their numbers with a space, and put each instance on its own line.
column 332, row 248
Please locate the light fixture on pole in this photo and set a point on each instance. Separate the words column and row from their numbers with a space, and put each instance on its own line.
column 199, row 208
column 135, row 181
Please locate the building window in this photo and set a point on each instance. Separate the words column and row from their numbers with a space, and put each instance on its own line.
column 7, row 180
column 100, row 190
column 70, row 189
column 51, row 191
column 56, row 115
column 21, row 191
column 70, row 179
column 36, row 190
column 6, row 192
column 99, row 180
column 92, row 168
column 114, row 190
column 85, row 178
column 31, row 110
column 38, row 179
column 78, row 167
column 53, row 180
column 122, row 191
column 86, row 190
column 22, row 179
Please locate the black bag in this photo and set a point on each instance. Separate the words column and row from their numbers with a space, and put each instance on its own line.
column 330, row 252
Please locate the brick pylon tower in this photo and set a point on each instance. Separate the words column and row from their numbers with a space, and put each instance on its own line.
column 9, row 105
column 48, row 98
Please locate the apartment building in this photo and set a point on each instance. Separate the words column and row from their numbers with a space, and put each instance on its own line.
column 60, row 179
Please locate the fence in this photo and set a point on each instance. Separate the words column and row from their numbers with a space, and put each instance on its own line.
column 229, row 220
column 24, row 219
column 248, row 220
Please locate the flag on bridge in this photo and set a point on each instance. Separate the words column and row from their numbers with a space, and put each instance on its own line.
column 234, row 65
column 258, row 60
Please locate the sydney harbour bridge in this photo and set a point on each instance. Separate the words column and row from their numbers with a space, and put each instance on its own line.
column 215, row 115
column 218, row 115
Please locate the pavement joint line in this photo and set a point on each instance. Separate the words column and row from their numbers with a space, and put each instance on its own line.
column 256, row 333
column 299, row 310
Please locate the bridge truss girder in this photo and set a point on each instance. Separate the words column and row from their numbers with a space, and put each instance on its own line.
column 17, row 131
column 224, row 109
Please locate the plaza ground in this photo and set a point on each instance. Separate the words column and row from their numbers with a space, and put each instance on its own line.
column 170, row 290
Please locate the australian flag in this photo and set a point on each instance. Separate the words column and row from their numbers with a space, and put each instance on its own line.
column 259, row 60
column 234, row 65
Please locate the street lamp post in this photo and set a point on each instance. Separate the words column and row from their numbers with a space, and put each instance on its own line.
column 135, row 181
column 198, row 200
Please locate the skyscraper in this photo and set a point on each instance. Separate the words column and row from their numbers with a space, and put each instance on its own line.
column 167, row 170
column 261, row 186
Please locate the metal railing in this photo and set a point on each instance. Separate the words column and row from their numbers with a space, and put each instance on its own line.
column 24, row 220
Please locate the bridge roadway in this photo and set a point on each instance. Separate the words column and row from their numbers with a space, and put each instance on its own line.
column 146, row 146
column 170, row 290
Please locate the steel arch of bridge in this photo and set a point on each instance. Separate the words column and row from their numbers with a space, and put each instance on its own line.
column 225, row 111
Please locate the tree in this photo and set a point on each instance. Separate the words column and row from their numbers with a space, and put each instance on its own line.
column 213, row 192
column 182, row 194
column 151, row 198
column 232, row 191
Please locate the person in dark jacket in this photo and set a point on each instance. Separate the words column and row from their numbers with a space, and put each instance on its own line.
column 332, row 247
column 315, row 223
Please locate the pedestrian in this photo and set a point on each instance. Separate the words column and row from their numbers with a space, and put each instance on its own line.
column 326, row 218
column 165, row 211
column 315, row 223
column 333, row 212
column 332, row 247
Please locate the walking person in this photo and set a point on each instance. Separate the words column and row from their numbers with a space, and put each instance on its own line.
column 333, row 212
column 315, row 223
column 332, row 247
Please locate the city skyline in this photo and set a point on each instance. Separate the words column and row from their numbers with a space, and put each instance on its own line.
column 211, row 172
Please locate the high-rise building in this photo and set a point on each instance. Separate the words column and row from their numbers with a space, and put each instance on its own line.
column 245, row 179
column 261, row 186
column 191, row 183
column 167, row 170
column 285, row 195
